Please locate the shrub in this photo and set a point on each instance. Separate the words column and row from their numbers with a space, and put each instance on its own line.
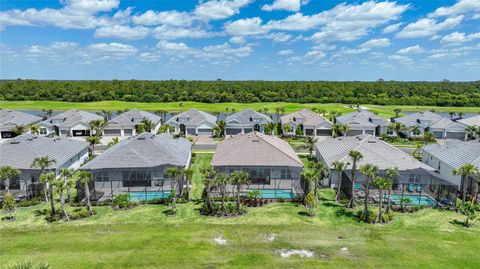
column 369, row 217
column 29, row 265
column 79, row 213
column 254, row 194
column 122, row 200
column 311, row 203
column 9, row 206
column 29, row 202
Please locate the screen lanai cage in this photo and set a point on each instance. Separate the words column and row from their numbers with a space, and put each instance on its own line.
column 410, row 187
column 142, row 184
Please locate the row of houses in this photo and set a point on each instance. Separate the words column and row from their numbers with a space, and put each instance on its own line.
column 73, row 123
column 138, row 164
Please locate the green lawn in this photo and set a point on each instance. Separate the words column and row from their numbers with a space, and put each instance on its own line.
column 385, row 111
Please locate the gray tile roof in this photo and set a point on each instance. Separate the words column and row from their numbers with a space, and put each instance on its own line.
column 194, row 117
column 245, row 117
column 255, row 149
column 444, row 123
column 363, row 118
column 11, row 118
column 71, row 118
column 144, row 151
column 415, row 119
column 475, row 120
column 309, row 117
column 20, row 151
column 456, row 152
column 374, row 151
column 132, row 118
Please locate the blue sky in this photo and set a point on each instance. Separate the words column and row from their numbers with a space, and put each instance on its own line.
column 240, row 39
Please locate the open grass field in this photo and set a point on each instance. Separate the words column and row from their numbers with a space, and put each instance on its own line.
column 145, row 237
column 385, row 111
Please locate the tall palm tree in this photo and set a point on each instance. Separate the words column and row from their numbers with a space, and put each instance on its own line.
column 321, row 171
column 7, row 173
column 221, row 181
column 397, row 127
column 49, row 179
column 381, row 184
column 390, row 174
column 471, row 131
column 461, row 114
column 277, row 111
column 174, row 174
column 188, row 173
column 451, row 114
column 163, row 114
column 92, row 141
column 397, row 111
column 336, row 130
column 476, row 180
column 344, row 128
column 46, row 113
column 415, row 130
column 107, row 115
column 67, row 176
column 85, row 177
column 333, row 115
column 61, row 186
column 208, row 173
column 369, row 171
column 34, row 129
column 43, row 163
column 148, row 124
column 97, row 126
column 219, row 129
column 466, row 171
column 310, row 144
column 309, row 177
column 355, row 156
column 239, row 178
column 270, row 127
column 340, row 167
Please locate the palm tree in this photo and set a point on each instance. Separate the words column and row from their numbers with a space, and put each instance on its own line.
column 85, row 177
column 355, row 156
column 397, row 111
column 92, row 141
column 270, row 127
column 344, row 128
column 43, row 163
column 67, row 176
column 333, row 114
column 320, row 171
column 277, row 111
column 8, row 173
column 107, row 115
column 381, row 184
column 34, row 129
column 466, row 171
column 61, row 185
column 148, row 124
column 219, row 129
column 418, row 151
column 46, row 113
column 336, row 130
column 221, row 181
column 162, row 114
column 19, row 129
column 114, row 141
column 461, row 114
column 49, row 180
column 209, row 175
column 286, row 128
column 188, row 173
column 369, row 171
column 428, row 137
column 390, row 173
column 97, row 126
column 309, row 177
column 452, row 114
column 323, row 112
column 415, row 130
column 340, row 167
column 475, row 181
column 140, row 128
column 471, row 131
column 239, row 178
column 164, row 129
column 397, row 127
column 310, row 144
column 174, row 174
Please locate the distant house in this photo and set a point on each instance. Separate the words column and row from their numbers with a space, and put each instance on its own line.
column 364, row 122
column 452, row 155
column 71, row 123
column 10, row 119
column 193, row 122
column 311, row 123
column 19, row 152
column 441, row 127
column 137, row 165
column 246, row 121
column 415, row 179
column 126, row 123
column 272, row 164
column 470, row 121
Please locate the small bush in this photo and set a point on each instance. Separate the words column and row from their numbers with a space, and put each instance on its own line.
column 79, row 213
column 122, row 200
column 9, row 206
column 29, row 202
column 29, row 265
column 369, row 217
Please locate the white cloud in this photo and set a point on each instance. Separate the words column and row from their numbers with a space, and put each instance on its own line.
column 276, row 37
column 237, row 40
column 392, row 28
column 289, row 5
column 224, row 51
column 315, row 55
column 119, row 31
column 428, row 27
column 167, row 32
column 89, row 6
column 457, row 38
column 219, row 9
column 244, row 27
column 461, row 7
column 411, row 50
column 376, row 43
column 401, row 59
column 172, row 46
column 113, row 48
column 285, row 52
column 296, row 22
column 172, row 18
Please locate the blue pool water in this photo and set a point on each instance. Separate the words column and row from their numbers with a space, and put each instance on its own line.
column 275, row 194
column 149, row 195
column 416, row 199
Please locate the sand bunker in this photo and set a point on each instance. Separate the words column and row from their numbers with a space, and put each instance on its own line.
column 220, row 241
column 299, row 252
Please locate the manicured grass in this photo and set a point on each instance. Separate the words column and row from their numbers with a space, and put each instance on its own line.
column 199, row 161
column 385, row 111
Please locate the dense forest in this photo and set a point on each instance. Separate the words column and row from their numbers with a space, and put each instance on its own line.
column 381, row 92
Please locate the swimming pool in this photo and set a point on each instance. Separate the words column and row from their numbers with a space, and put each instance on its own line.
column 148, row 195
column 416, row 199
column 275, row 194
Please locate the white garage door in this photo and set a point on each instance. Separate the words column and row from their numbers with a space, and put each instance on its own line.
column 112, row 132
column 354, row 132
column 324, row 132
column 204, row 131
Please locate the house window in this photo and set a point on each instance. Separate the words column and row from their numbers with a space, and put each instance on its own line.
column 102, row 177
column 43, row 131
column 285, row 174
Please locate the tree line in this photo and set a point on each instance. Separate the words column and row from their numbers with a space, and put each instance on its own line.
column 444, row 93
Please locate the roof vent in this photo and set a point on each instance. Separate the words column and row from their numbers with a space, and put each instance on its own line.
column 15, row 142
column 255, row 140
column 372, row 141
column 141, row 138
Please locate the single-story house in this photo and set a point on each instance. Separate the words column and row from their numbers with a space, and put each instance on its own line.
column 470, row 121
column 126, row 123
column 71, row 123
column 19, row 153
column 272, row 164
column 137, row 165
column 246, row 121
column 415, row 178
column 441, row 127
column 452, row 155
column 9, row 119
column 193, row 122
column 311, row 123
column 364, row 122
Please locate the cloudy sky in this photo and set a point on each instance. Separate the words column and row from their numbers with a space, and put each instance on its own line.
column 240, row 39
